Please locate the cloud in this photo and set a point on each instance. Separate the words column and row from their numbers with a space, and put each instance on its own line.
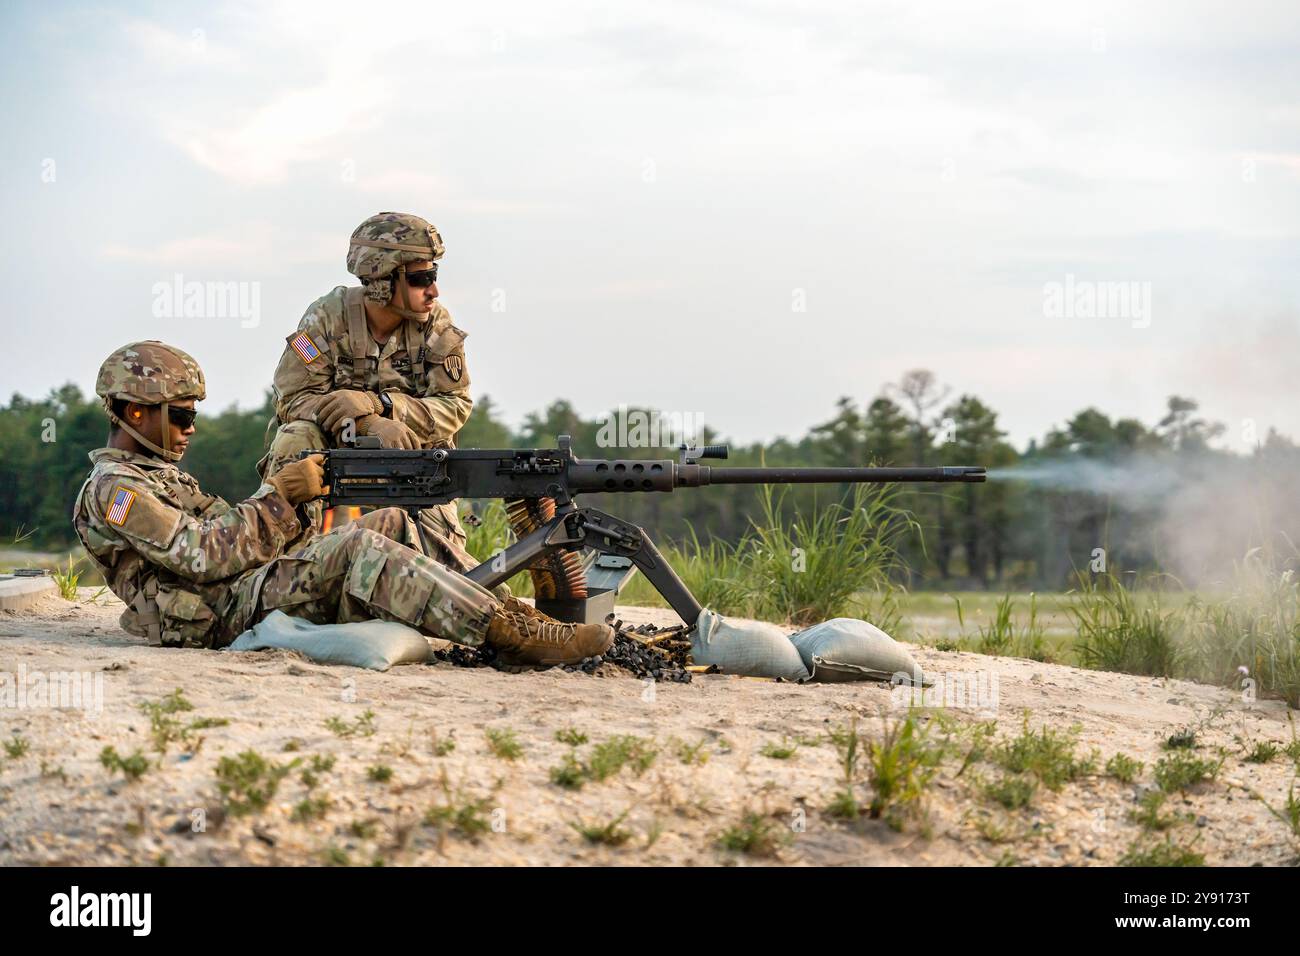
column 297, row 126
column 176, row 51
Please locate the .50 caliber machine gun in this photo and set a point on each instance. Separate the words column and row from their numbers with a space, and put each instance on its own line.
column 540, row 485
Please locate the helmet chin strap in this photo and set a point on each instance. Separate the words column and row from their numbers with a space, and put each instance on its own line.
column 399, row 282
column 165, row 452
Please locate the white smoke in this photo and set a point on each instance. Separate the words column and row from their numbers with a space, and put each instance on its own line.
column 1200, row 513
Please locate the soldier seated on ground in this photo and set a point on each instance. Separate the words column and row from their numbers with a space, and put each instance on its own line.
column 195, row 571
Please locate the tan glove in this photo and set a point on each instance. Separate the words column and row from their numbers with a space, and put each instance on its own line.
column 346, row 403
column 391, row 434
column 301, row 480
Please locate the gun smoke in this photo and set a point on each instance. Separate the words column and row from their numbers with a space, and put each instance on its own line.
column 1196, row 515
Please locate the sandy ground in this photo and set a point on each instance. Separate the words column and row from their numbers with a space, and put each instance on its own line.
column 58, row 805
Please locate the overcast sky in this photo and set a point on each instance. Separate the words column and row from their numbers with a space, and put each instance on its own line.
column 740, row 210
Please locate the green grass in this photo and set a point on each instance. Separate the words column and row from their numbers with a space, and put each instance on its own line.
column 570, row 774
column 848, row 746
column 311, row 808
column 834, row 561
column 900, row 766
column 1167, row 853
column 782, row 751
column 1012, row 791
column 1263, row 751
column 610, row 757
column 604, row 761
column 364, row 829
column 459, row 813
column 1123, row 768
column 66, row 579
column 839, row 559
column 754, row 835
column 165, row 728
column 1290, row 811
column 504, row 743
column 1159, row 630
column 1117, row 631
column 17, row 746
column 571, row 736
column 319, row 764
column 363, row 726
column 692, row 754
column 133, row 767
column 607, row 834
column 1148, row 815
column 1048, row 754
column 1003, row 636
column 1255, row 625
column 335, row 856
column 1181, row 770
column 248, row 781
column 716, row 572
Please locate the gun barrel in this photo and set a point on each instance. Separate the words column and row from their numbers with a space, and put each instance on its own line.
column 797, row 476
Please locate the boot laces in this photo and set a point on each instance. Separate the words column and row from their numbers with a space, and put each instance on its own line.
column 550, row 632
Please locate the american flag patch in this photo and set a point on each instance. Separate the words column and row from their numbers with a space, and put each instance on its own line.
column 305, row 347
column 123, row 499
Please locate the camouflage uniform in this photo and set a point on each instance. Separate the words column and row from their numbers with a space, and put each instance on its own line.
column 196, row 571
column 421, row 366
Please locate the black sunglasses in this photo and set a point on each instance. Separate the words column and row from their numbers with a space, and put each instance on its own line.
column 182, row 418
column 424, row 278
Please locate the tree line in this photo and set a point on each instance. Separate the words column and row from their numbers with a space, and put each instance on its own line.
column 1139, row 497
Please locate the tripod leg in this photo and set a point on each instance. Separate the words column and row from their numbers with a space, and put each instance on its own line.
column 601, row 532
column 609, row 534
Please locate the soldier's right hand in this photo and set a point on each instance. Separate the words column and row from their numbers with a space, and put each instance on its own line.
column 391, row 434
column 301, row 480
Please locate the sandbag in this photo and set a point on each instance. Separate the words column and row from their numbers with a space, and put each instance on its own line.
column 844, row 649
column 748, row 648
column 377, row 645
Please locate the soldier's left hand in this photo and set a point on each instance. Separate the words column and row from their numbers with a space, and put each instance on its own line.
column 344, row 404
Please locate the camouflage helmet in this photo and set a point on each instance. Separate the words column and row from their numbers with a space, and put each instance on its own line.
column 149, row 373
column 388, row 240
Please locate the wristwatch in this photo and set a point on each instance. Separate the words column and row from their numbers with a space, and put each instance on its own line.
column 387, row 403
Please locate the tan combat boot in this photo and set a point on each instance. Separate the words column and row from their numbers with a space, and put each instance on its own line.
column 523, row 635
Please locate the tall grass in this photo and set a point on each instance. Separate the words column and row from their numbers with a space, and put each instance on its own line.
column 1256, row 626
column 838, row 560
column 1003, row 637
column 834, row 561
column 66, row 579
column 716, row 573
column 1121, row 632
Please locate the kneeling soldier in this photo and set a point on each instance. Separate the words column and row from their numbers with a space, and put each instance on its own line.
column 195, row 571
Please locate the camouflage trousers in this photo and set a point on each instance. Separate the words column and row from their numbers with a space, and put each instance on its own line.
column 294, row 438
column 371, row 568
